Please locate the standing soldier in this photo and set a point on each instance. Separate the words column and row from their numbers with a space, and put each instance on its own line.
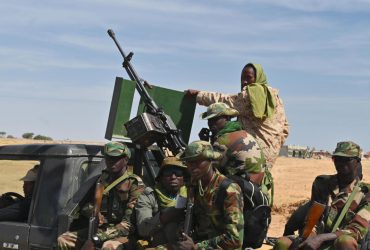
column 242, row 156
column 346, row 220
column 217, row 225
column 121, row 191
column 156, row 216
column 261, row 110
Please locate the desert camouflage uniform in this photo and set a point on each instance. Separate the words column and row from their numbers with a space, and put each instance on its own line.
column 214, row 228
column 120, row 202
column 270, row 133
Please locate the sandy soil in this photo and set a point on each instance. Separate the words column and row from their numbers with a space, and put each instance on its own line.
column 292, row 177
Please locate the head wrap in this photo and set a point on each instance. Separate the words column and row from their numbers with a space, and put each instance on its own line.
column 262, row 100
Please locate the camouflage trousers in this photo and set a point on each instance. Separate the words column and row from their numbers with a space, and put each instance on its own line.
column 112, row 239
column 343, row 242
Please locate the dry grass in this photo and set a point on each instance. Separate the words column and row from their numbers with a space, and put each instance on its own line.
column 292, row 177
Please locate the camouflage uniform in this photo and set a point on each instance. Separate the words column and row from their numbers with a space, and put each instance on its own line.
column 148, row 209
column 120, row 201
column 215, row 227
column 270, row 133
column 325, row 189
column 242, row 154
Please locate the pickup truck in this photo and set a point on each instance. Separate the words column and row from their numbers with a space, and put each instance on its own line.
column 66, row 176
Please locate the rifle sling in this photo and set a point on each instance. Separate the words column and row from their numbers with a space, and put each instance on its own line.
column 113, row 184
column 356, row 189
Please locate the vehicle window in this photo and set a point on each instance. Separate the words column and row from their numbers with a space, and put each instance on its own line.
column 89, row 168
column 18, row 178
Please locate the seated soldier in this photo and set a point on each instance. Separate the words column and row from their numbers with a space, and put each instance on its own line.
column 218, row 224
column 121, row 191
column 156, row 216
column 343, row 225
column 18, row 209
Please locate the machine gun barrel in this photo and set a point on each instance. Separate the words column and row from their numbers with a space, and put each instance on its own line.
column 133, row 75
column 172, row 138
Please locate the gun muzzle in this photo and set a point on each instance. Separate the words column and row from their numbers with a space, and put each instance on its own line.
column 111, row 33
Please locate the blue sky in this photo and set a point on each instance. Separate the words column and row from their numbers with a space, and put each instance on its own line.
column 58, row 65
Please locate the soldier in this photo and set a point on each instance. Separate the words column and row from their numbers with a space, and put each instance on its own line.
column 121, row 191
column 156, row 216
column 18, row 209
column 343, row 225
column 216, row 226
column 261, row 110
column 242, row 156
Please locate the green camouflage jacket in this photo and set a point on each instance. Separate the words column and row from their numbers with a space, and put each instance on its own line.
column 121, row 200
column 356, row 221
column 217, row 228
column 241, row 154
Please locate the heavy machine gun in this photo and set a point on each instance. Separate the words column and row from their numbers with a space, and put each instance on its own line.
column 153, row 125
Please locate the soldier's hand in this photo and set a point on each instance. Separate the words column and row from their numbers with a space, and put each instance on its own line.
column 311, row 243
column 186, row 244
column 191, row 92
column 102, row 219
column 172, row 214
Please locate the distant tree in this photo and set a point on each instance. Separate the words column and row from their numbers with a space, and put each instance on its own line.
column 27, row 135
column 42, row 137
column 10, row 137
column 2, row 134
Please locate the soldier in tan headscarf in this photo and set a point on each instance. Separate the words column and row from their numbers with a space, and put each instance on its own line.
column 261, row 110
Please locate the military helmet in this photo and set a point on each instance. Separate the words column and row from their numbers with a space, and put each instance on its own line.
column 199, row 150
column 169, row 162
column 115, row 149
column 219, row 109
column 347, row 149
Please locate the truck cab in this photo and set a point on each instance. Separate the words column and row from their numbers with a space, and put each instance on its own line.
column 66, row 179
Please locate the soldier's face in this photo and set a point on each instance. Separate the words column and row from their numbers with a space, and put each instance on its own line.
column 28, row 188
column 116, row 164
column 346, row 167
column 248, row 76
column 215, row 124
column 198, row 168
column 172, row 179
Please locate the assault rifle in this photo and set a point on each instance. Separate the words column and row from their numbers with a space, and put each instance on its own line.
column 153, row 125
column 313, row 216
column 92, row 239
column 189, row 211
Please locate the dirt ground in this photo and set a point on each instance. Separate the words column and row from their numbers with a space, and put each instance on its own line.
column 292, row 178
